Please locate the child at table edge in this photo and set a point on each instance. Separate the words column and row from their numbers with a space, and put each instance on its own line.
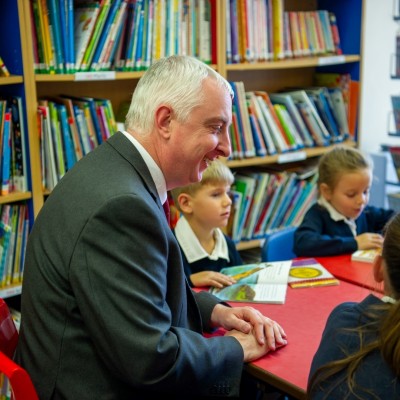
column 205, row 208
column 359, row 353
column 341, row 221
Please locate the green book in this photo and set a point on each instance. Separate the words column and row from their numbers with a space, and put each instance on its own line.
column 87, row 58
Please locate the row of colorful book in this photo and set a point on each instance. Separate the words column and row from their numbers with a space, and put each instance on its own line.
column 71, row 127
column 89, row 35
column 262, row 30
column 267, row 201
column 13, row 166
column 272, row 123
column 14, row 230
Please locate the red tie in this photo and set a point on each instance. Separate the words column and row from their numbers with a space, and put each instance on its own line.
column 166, row 210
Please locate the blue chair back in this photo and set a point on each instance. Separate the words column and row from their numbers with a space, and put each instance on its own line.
column 278, row 246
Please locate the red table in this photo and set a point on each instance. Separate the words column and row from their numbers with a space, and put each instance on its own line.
column 303, row 317
column 356, row 272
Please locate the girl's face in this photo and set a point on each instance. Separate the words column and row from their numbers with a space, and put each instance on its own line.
column 351, row 193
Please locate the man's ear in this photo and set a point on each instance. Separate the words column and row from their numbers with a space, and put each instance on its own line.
column 163, row 120
column 377, row 267
column 325, row 191
column 185, row 203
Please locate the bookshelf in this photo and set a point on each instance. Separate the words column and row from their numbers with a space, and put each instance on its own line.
column 17, row 51
column 13, row 50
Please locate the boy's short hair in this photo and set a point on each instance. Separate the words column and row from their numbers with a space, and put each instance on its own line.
column 216, row 172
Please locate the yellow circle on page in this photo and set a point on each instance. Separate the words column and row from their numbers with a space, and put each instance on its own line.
column 304, row 272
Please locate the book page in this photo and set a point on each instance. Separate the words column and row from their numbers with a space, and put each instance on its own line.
column 265, row 272
column 252, row 293
column 259, row 283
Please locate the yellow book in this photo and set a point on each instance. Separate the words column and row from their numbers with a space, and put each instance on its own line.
column 44, row 24
column 3, row 69
column 303, row 33
column 278, row 29
column 309, row 272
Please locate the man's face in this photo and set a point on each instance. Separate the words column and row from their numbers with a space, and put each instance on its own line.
column 203, row 137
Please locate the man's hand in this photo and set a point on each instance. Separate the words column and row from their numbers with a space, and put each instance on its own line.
column 248, row 320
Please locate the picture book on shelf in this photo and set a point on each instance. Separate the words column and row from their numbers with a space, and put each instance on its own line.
column 264, row 282
column 309, row 272
column 365, row 255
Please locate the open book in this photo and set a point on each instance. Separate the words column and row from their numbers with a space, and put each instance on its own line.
column 308, row 272
column 365, row 255
column 265, row 282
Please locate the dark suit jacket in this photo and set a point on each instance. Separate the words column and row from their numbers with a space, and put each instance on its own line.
column 106, row 311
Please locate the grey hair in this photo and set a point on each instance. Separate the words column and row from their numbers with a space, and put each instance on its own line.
column 175, row 81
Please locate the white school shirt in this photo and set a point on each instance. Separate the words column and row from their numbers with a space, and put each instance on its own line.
column 336, row 216
column 191, row 246
column 154, row 169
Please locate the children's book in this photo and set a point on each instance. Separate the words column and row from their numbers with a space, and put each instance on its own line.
column 309, row 272
column 265, row 282
column 365, row 255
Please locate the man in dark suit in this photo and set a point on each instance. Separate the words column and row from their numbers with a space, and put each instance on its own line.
column 106, row 311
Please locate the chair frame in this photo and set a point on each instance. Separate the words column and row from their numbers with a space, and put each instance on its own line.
column 21, row 384
column 278, row 245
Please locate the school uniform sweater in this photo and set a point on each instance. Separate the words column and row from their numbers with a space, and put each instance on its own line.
column 319, row 235
column 373, row 373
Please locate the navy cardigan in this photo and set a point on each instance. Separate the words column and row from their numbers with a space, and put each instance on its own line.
column 319, row 235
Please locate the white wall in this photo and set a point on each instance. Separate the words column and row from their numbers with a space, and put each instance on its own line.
column 378, row 47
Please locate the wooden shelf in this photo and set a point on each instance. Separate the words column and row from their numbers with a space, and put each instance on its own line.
column 14, row 197
column 250, row 244
column 293, row 156
column 90, row 76
column 9, row 80
column 304, row 62
column 9, row 291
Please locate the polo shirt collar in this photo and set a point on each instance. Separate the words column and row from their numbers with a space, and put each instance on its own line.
column 191, row 246
column 337, row 216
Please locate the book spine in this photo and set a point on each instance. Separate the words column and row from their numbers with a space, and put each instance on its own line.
column 6, row 154
column 64, row 34
column 85, row 20
column 3, row 68
column 48, row 39
column 89, row 52
column 109, row 21
column 55, row 34
column 278, row 29
column 335, row 33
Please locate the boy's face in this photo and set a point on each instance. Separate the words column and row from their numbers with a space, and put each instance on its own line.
column 211, row 205
column 351, row 193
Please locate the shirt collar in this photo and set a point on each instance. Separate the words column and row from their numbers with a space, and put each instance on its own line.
column 388, row 299
column 191, row 246
column 154, row 169
column 337, row 216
